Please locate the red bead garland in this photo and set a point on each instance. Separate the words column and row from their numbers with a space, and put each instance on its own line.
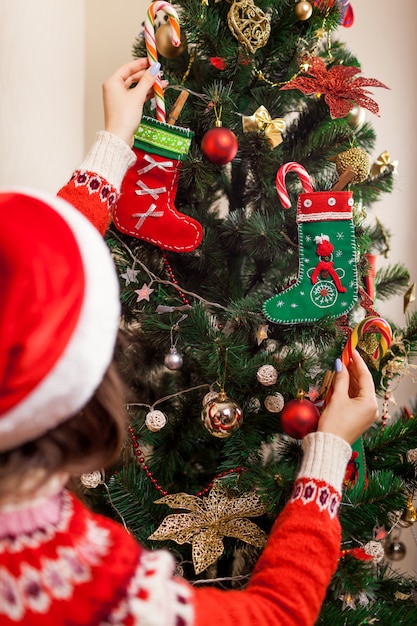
column 141, row 459
column 172, row 278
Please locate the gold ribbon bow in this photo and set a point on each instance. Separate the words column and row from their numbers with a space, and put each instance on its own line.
column 262, row 121
column 383, row 164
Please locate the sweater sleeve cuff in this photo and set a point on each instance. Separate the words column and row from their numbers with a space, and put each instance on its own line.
column 109, row 157
column 325, row 458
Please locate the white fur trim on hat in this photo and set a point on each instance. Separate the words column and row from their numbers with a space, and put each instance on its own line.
column 80, row 368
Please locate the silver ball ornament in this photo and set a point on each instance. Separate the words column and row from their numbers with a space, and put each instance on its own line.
column 173, row 360
column 356, row 117
column 221, row 417
column 395, row 550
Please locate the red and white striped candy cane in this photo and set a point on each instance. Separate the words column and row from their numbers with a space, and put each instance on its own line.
column 385, row 337
column 303, row 175
column 160, row 5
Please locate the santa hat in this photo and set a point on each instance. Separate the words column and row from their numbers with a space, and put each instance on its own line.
column 59, row 313
column 324, row 247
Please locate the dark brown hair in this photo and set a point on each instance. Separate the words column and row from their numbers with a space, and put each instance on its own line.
column 88, row 441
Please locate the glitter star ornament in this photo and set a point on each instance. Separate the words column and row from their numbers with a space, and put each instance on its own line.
column 130, row 275
column 339, row 85
column 262, row 333
column 209, row 520
column 143, row 293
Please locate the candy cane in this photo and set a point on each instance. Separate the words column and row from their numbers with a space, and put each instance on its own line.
column 384, row 329
column 160, row 5
column 280, row 181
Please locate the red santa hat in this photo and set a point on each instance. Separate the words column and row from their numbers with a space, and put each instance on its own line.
column 59, row 313
column 324, row 247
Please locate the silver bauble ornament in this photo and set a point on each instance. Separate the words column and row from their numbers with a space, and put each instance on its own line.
column 221, row 417
column 395, row 550
column 173, row 360
column 356, row 117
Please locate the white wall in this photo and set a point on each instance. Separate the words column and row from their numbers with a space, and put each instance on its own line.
column 111, row 30
column 42, row 91
column 383, row 39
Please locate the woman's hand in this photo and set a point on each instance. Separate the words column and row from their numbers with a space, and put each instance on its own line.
column 123, row 104
column 353, row 407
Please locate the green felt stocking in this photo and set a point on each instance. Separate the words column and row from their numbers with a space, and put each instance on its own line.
column 327, row 277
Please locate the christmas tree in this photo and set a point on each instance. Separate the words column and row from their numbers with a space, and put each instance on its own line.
column 246, row 265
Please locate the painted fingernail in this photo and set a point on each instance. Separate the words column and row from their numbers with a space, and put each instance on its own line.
column 338, row 365
column 155, row 68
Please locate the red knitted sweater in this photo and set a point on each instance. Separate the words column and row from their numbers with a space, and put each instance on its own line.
column 83, row 569
column 62, row 565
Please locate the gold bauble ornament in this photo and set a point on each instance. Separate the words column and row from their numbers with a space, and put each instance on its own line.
column 164, row 44
column 303, row 10
column 221, row 417
column 357, row 160
column 249, row 25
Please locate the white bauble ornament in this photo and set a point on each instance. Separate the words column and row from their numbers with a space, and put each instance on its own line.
column 155, row 420
column 267, row 375
column 274, row 403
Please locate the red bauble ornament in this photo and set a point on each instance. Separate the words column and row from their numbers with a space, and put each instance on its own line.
column 219, row 145
column 299, row 417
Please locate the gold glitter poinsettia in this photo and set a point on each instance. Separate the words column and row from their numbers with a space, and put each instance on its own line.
column 209, row 520
column 339, row 86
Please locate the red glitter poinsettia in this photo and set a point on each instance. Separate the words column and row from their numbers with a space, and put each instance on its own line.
column 339, row 86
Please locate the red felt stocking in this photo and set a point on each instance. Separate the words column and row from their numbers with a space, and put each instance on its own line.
column 146, row 208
